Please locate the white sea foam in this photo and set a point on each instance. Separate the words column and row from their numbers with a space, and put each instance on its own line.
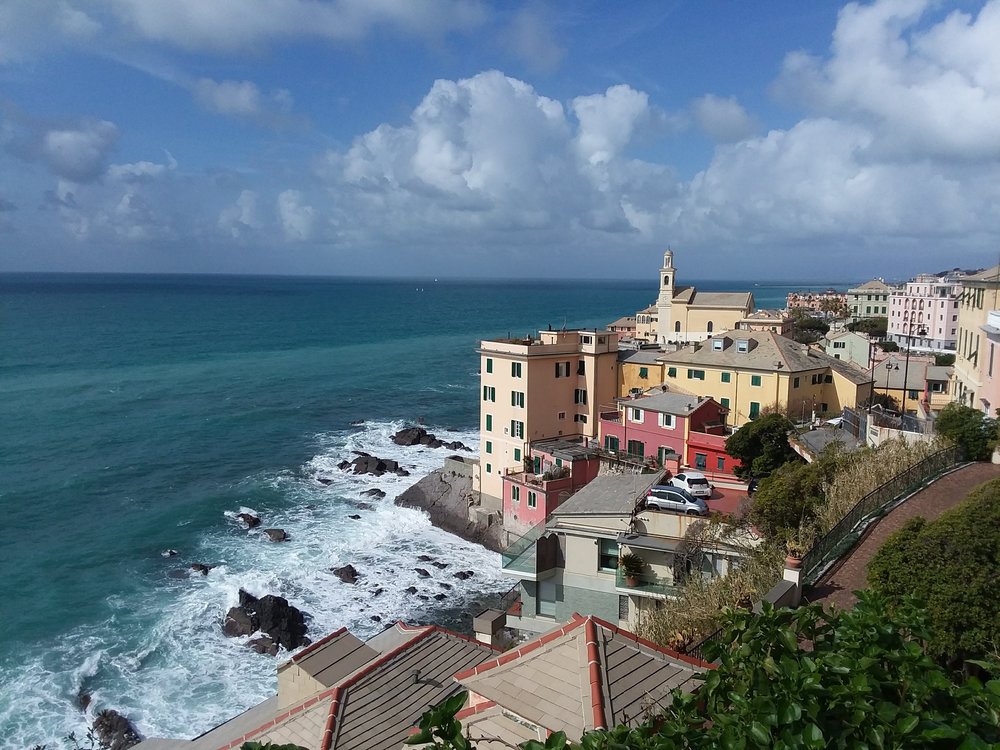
column 176, row 675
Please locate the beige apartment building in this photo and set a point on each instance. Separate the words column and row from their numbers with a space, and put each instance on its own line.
column 870, row 300
column 747, row 371
column 536, row 388
column 775, row 321
column 980, row 294
column 646, row 324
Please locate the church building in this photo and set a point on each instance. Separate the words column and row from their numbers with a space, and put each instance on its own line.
column 684, row 314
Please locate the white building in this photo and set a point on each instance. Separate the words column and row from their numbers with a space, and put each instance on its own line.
column 923, row 315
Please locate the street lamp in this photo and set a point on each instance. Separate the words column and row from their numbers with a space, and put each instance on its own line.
column 889, row 367
column 921, row 331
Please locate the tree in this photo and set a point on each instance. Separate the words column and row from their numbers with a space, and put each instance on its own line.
column 944, row 360
column 787, row 500
column 865, row 681
column 876, row 327
column 884, row 400
column 888, row 346
column 952, row 565
column 761, row 446
column 968, row 428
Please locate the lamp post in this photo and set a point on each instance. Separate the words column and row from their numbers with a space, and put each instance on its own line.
column 889, row 367
column 906, row 369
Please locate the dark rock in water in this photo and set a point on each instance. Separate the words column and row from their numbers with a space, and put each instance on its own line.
column 201, row 568
column 249, row 519
column 263, row 645
column 378, row 592
column 440, row 597
column 439, row 565
column 363, row 506
column 422, row 573
column 375, row 618
column 457, row 445
column 411, row 590
column 374, row 492
column 463, row 575
column 411, row 436
column 83, row 699
column 354, row 517
column 445, row 586
column 367, row 464
column 356, row 422
column 423, row 597
column 169, row 553
column 343, row 465
column 178, row 573
column 270, row 614
column 114, row 731
column 347, row 573
column 311, row 506
column 276, row 535
column 325, row 481
column 424, row 558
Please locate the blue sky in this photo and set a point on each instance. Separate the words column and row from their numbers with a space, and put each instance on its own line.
column 512, row 139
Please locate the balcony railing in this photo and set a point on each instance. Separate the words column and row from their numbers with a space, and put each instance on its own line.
column 647, row 585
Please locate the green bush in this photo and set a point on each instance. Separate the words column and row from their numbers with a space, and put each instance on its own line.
column 952, row 564
column 761, row 446
column 968, row 428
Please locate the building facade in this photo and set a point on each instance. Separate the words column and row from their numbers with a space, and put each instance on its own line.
column 870, row 300
column 775, row 321
column 536, row 388
column 980, row 294
column 849, row 347
column 923, row 315
column 646, row 324
column 829, row 301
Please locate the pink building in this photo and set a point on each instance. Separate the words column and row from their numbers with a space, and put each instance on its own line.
column 923, row 315
column 669, row 430
column 553, row 471
column 989, row 365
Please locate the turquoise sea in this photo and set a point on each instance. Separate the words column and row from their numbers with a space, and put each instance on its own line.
column 142, row 413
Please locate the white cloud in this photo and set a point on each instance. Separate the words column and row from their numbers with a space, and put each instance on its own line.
column 608, row 121
column 240, row 219
column 229, row 25
column 79, row 153
column 723, row 119
column 29, row 27
column 296, row 216
column 529, row 37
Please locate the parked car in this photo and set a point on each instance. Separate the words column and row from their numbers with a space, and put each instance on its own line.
column 694, row 482
column 667, row 497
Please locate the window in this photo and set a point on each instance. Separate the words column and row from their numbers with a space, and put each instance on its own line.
column 912, row 394
column 517, row 454
column 515, row 369
column 546, row 602
column 489, row 393
column 700, row 461
column 515, row 493
column 636, row 448
column 671, row 372
column 720, row 463
column 558, row 462
column 696, row 374
column 489, row 446
column 795, row 383
column 516, row 428
column 622, row 607
column 824, row 408
column 828, row 378
column 666, row 421
column 743, row 346
column 489, row 468
column 586, row 339
column 677, row 327
column 607, row 554
column 489, row 422
column 581, row 367
column 754, row 410
column 532, row 499
column 718, row 345
column 755, row 380
column 562, row 369
column 817, row 378
column 727, row 377
column 581, row 418
column 710, row 327
column 661, row 454
column 580, row 396
column 562, row 415
column 643, row 372
column 517, row 398
column 489, row 364
column 611, row 442
column 634, row 415
column 724, row 402
column 839, row 345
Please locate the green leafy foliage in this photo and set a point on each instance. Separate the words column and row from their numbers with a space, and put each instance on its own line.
column 872, row 326
column 866, row 682
column 761, row 446
column 944, row 360
column 787, row 500
column 439, row 728
column 969, row 428
column 953, row 564
column 888, row 346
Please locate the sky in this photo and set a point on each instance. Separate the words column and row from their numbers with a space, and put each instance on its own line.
column 517, row 139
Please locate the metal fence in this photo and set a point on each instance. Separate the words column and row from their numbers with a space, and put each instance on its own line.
column 844, row 534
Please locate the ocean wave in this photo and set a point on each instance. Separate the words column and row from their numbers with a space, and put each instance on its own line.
column 161, row 657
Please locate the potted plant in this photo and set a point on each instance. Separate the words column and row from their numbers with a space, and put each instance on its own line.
column 796, row 550
column 631, row 565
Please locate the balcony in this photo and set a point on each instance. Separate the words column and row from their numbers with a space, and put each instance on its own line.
column 530, row 479
column 647, row 585
column 531, row 557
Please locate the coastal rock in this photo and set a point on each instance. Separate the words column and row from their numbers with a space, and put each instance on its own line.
column 356, row 422
column 344, row 465
column 375, row 618
column 453, row 506
column 363, row 506
column 423, row 597
column 239, row 622
column 412, row 436
column 378, row 592
column 325, row 481
column 366, row 463
column 276, row 535
column 114, row 731
column 83, row 699
column 169, row 553
column 374, row 492
column 270, row 614
column 263, row 645
column 249, row 519
column 424, row 558
column 440, row 597
column 463, row 575
column 201, row 568
column 346, row 573
column 422, row 572
column 439, row 565
column 445, row 586
column 411, row 589
column 354, row 517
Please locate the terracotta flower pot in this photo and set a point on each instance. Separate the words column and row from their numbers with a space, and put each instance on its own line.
column 792, row 562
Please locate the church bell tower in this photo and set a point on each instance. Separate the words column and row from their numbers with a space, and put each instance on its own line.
column 664, row 302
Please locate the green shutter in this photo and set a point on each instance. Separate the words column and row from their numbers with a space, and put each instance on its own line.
column 726, row 377
column 725, row 402
column 755, row 380
column 643, row 372
column 672, row 372
column 489, row 365
column 517, row 454
column 489, row 422
column 754, row 410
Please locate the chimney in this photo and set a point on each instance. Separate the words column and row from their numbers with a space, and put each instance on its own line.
column 488, row 625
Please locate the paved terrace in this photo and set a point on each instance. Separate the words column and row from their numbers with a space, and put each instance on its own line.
column 851, row 573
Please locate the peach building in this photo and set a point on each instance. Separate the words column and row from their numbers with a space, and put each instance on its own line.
column 535, row 388
column 980, row 295
column 989, row 365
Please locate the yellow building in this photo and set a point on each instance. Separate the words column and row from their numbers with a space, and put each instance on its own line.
column 774, row 321
column 747, row 371
column 646, row 324
column 536, row 388
column 685, row 314
column 980, row 294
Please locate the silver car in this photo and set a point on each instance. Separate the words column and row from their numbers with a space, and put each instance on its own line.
column 666, row 497
column 694, row 482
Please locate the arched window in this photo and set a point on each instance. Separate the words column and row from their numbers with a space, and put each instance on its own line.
column 677, row 327
column 710, row 326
